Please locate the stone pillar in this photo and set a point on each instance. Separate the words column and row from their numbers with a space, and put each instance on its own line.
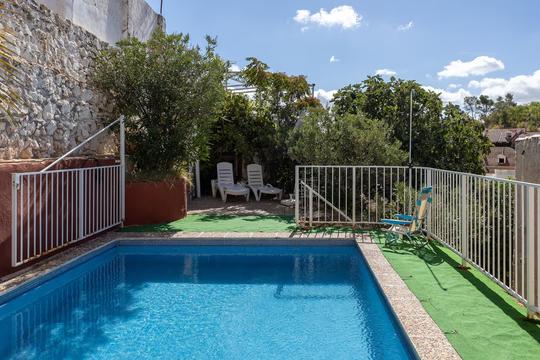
column 528, row 159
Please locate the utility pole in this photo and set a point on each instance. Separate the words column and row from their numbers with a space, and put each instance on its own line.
column 410, row 129
column 161, row 8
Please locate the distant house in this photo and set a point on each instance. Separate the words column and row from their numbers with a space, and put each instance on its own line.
column 501, row 161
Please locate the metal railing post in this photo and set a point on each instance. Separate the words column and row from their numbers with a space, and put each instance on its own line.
column 410, row 187
column 122, row 171
column 529, row 215
column 14, row 216
column 297, row 194
column 82, row 205
column 354, row 195
column 310, row 207
column 463, row 222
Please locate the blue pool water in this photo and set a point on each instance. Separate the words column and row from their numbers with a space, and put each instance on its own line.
column 169, row 302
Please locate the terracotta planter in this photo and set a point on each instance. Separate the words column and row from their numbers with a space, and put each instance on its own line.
column 155, row 202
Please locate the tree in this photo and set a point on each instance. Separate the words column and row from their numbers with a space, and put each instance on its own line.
column 485, row 106
column 507, row 113
column 171, row 93
column 350, row 139
column 280, row 101
column 465, row 148
column 471, row 103
column 230, row 133
column 390, row 102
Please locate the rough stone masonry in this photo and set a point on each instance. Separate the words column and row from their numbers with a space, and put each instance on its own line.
column 59, row 108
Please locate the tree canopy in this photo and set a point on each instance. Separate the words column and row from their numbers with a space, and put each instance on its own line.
column 348, row 139
column 257, row 128
column 170, row 91
column 504, row 112
column 434, row 125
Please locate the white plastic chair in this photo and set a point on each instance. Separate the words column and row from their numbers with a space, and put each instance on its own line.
column 225, row 182
column 257, row 185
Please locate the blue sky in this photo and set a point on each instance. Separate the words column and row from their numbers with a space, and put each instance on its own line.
column 456, row 47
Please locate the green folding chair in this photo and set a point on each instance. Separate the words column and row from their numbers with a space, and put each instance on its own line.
column 407, row 226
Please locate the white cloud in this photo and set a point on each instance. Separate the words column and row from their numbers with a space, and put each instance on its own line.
column 479, row 66
column 325, row 96
column 525, row 88
column 487, row 83
column 343, row 16
column 234, row 68
column 406, row 27
column 304, row 28
column 385, row 72
column 334, row 59
column 454, row 86
column 455, row 97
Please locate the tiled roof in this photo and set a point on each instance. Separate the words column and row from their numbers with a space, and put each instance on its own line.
column 503, row 136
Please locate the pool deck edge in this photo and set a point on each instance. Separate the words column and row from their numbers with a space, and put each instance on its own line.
column 426, row 337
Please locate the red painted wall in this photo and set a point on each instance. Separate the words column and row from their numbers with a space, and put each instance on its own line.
column 155, row 202
column 6, row 169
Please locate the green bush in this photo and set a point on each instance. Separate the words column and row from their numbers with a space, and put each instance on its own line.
column 170, row 92
column 327, row 139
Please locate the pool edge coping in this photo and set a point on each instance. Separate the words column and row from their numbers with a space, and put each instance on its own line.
column 424, row 334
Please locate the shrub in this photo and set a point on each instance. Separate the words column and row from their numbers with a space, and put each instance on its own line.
column 170, row 92
column 325, row 139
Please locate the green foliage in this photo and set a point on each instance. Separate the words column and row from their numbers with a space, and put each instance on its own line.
column 350, row 139
column 278, row 104
column 231, row 133
column 505, row 113
column 464, row 145
column 434, row 141
column 280, row 96
column 171, row 93
column 403, row 199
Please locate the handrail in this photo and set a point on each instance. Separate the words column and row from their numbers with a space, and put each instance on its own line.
column 51, row 209
column 508, row 181
column 490, row 178
column 119, row 120
column 311, row 190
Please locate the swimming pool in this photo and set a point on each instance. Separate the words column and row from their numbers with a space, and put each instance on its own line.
column 206, row 302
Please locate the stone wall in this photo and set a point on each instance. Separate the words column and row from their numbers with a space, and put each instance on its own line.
column 59, row 108
column 528, row 159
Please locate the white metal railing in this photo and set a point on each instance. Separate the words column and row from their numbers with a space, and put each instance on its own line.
column 54, row 208
column 492, row 224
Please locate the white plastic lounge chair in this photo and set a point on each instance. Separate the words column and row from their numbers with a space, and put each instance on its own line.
column 225, row 182
column 407, row 225
column 257, row 185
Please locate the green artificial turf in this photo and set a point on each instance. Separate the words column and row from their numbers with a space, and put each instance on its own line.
column 235, row 223
column 222, row 223
column 478, row 317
